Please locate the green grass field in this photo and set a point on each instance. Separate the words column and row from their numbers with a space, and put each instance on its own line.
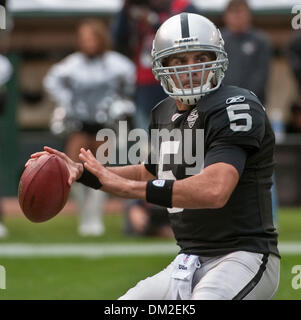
column 105, row 277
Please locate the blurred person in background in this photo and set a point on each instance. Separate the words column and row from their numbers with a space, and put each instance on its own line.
column 145, row 219
column 248, row 50
column 6, row 71
column 85, row 86
column 294, row 59
column 249, row 55
column 294, row 122
column 134, row 29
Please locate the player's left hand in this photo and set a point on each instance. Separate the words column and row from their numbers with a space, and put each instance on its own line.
column 91, row 163
column 110, row 181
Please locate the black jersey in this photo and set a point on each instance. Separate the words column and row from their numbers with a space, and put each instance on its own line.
column 227, row 117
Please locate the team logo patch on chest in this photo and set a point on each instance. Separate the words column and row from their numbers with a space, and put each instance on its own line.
column 191, row 119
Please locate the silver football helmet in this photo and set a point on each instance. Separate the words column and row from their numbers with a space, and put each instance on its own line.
column 188, row 32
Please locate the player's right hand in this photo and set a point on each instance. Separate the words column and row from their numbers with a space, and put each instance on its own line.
column 75, row 169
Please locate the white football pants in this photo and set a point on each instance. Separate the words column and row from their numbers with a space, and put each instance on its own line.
column 238, row 275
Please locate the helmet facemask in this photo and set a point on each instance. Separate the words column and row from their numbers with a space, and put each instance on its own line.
column 191, row 95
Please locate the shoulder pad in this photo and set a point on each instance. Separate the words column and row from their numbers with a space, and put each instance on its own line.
column 224, row 96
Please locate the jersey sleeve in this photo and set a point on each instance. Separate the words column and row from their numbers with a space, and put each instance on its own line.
column 230, row 154
column 241, row 124
column 150, row 167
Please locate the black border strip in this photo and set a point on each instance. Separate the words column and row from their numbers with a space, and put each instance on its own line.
column 184, row 25
column 252, row 284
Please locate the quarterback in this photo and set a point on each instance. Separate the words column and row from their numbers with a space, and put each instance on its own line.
column 222, row 215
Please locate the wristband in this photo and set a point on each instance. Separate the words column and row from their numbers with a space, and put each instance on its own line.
column 89, row 179
column 160, row 192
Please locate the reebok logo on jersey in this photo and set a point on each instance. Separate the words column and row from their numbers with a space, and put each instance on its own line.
column 159, row 183
column 175, row 116
column 235, row 99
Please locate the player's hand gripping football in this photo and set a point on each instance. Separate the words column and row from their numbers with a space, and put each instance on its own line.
column 91, row 164
column 75, row 169
column 110, row 181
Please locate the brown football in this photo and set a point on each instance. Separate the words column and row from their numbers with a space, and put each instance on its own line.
column 43, row 188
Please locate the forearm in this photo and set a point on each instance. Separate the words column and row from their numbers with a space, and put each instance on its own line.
column 131, row 172
column 205, row 190
column 127, row 174
column 210, row 189
column 125, row 188
column 195, row 193
column 186, row 193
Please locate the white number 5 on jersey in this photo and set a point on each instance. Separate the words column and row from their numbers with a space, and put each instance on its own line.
column 233, row 117
column 167, row 148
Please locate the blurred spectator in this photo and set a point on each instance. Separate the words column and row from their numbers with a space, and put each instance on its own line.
column 248, row 50
column 294, row 123
column 278, row 125
column 5, row 74
column 133, row 30
column 294, row 57
column 294, row 60
column 85, row 86
column 144, row 219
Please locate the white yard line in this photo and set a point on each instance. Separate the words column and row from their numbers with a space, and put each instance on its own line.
column 95, row 250
column 290, row 247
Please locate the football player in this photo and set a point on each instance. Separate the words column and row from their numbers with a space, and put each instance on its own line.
column 221, row 215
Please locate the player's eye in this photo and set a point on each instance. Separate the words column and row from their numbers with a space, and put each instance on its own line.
column 203, row 58
column 179, row 61
column 176, row 61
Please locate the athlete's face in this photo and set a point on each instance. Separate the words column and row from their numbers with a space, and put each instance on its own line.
column 238, row 19
column 188, row 58
column 88, row 41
